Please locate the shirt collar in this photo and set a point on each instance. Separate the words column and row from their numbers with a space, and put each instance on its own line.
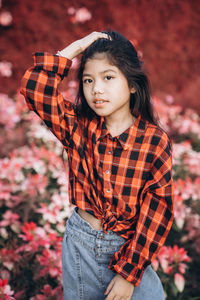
column 126, row 138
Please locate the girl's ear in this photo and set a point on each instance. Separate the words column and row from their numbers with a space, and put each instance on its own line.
column 133, row 90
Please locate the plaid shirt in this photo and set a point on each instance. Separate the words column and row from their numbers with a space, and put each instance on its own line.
column 126, row 181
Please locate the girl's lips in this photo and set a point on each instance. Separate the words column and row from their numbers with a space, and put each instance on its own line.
column 96, row 100
column 99, row 104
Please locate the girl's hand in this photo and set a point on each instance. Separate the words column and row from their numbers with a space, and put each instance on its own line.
column 119, row 288
column 79, row 46
column 89, row 39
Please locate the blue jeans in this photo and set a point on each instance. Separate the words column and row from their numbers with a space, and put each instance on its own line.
column 86, row 253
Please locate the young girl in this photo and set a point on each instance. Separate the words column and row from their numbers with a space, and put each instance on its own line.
column 120, row 167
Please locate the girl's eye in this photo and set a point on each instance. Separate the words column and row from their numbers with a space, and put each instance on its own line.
column 87, row 80
column 108, row 77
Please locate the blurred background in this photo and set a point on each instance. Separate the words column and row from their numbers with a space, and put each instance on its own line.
column 166, row 33
column 34, row 202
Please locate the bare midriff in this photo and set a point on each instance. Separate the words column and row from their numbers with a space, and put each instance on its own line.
column 94, row 222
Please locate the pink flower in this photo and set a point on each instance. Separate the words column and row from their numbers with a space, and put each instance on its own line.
column 49, row 293
column 35, row 183
column 171, row 257
column 9, row 115
column 57, row 210
column 8, row 257
column 5, row 274
column 5, row 18
column 5, row 68
column 192, row 161
column 155, row 264
column 182, row 268
column 175, row 120
column 29, row 230
column 37, row 237
column 180, row 211
column 71, row 10
column 10, row 219
column 179, row 282
column 192, row 227
column 17, row 179
column 184, row 190
column 186, row 123
column 178, row 255
column 179, row 150
column 5, row 290
column 39, row 297
column 80, row 15
column 49, row 212
column 188, row 188
column 51, row 263
column 75, row 65
column 169, row 99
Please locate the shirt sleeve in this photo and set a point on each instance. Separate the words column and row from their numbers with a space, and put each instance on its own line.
column 39, row 86
column 155, row 219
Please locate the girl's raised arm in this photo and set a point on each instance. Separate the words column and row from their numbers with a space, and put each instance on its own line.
column 79, row 46
column 39, row 86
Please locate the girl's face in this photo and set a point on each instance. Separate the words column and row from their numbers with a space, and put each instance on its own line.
column 106, row 88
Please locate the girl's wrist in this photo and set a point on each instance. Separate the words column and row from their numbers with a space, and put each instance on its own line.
column 70, row 51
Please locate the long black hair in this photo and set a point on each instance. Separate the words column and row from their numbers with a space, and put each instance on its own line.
column 121, row 53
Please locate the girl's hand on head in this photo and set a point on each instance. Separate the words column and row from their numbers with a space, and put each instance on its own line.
column 119, row 288
column 79, row 46
column 85, row 42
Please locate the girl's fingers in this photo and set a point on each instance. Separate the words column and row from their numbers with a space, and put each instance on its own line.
column 100, row 35
column 109, row 287
column 96, row 35
column 91, row 38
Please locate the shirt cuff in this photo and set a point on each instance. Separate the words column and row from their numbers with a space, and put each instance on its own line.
column 53, row 63
column 130, row 272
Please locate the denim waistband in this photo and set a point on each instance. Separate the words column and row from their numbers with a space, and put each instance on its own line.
column 80, row 226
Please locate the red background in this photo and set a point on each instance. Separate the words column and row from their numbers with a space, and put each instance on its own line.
column 167, row 33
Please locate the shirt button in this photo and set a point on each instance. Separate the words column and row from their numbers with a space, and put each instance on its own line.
column 108, row 190
column 109, row 152
column 107, row 171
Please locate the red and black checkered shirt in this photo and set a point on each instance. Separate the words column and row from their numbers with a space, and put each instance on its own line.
column 126, row 181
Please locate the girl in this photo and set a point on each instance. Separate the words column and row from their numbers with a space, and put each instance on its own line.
column 120, row 166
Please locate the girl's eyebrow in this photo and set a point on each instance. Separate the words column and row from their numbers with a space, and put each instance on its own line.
column 108, row 70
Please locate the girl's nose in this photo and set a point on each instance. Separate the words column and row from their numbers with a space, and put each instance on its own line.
column 97, row 89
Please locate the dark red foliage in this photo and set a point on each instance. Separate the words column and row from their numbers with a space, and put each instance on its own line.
column 167, row 32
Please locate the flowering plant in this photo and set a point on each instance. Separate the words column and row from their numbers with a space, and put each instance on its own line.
column 171, row 265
